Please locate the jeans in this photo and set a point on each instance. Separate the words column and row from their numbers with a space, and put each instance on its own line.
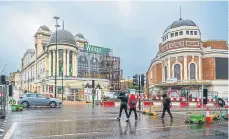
column 121, row 108
column 168, row 110
column 135, row 113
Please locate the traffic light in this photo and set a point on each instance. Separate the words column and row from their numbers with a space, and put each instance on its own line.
column 142, row 79
column 10, row 90
column 205, row 96
column 3, row 79
column 135, row 80
column 93, row 83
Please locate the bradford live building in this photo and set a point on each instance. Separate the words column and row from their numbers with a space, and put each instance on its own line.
column 77, row 61
column 184, row 63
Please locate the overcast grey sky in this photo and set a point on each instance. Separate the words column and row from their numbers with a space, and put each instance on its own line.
column 132, row 29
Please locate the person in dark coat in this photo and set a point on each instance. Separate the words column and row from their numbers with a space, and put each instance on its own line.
column 123, row 105
column 132, row 104
column 166, row 106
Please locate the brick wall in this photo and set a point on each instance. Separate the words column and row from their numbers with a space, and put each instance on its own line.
column 208, row 66
column 216, row 44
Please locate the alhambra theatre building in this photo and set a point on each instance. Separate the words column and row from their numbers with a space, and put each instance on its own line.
column 185, row 63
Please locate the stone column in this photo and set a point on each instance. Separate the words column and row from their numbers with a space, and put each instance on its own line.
column 73, row 64
column 76, row 64
column 185, row 68
column 58, row 62
column 64, row 63
column 54, row 62
column 168, row 68
column 50, row 63
column 67, row 62
column 200, row 68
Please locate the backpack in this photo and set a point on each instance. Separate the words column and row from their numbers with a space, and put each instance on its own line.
column 133, row 102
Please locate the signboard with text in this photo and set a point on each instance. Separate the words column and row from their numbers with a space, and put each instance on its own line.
column 96, row 49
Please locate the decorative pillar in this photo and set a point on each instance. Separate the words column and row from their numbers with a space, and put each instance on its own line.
column 74, row 64
column 200, row 68
column 67, row 62
column 64, row 62
column 50, row 63
column 168, row 68
column 58, row 62
column 54, row 62
column 185, row 68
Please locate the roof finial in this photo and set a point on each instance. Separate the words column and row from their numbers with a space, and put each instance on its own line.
column 63, row 25
column 180, row 14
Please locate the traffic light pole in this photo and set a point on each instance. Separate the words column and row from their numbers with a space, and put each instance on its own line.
column 139, row 88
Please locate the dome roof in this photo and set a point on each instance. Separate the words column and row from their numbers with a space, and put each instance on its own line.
column 180, row 22
column 63, row 37
column 44, row 27
column 79, row 35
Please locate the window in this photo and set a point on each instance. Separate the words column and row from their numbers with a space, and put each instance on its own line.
column 70, row 63
column 165, row 73
column 167, row 36
column 181, row 33
column 163, row 39
column 176, row 34
column 187, row 32
column 195, row 32
column 192, row 71
column 82, row 65
column 61, row 56
column 191, row 32
column 94, row 65
column 172, row 35
column 177, row 72
column 41, row 96
column 31, row 95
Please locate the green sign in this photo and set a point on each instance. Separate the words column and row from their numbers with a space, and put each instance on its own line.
column 96, row 49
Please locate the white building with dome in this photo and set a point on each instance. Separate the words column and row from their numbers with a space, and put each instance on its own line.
column 38, row 65
column 185, row 62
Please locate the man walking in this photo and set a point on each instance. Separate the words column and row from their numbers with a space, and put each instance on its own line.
column 132, row 104
column 166, row 106
column 123, row 105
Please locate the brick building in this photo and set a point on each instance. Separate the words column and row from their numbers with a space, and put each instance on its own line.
column 184, row 63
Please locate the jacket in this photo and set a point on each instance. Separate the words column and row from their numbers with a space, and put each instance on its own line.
column 166, row 102
column 132, row 101
column 123, row 99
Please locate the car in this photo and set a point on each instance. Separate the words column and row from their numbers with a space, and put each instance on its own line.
column 33, row 99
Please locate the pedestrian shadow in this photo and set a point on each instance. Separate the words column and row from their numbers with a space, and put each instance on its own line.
column 132, row 126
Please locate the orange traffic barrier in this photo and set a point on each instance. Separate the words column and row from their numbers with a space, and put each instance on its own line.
column 108, row 103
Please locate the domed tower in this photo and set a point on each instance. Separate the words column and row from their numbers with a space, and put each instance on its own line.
column 80, row 40
column 66, row 54
column 41, row 39
column 180, row 51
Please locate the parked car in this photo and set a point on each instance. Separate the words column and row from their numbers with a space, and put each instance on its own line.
column 29, row 99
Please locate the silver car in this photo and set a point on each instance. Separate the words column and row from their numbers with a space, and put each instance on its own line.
column 29, row 99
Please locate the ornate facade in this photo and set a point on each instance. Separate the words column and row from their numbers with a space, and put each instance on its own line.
column 38, row 67
column 185, row 63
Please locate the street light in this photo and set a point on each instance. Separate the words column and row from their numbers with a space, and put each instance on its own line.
column 56, row 18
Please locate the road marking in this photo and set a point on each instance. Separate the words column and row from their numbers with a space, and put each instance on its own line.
column 75, row 134
column 10, row 131
column 102, row 118
column 76, row 111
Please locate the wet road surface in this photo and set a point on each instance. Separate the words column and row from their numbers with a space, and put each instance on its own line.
column 84, row 121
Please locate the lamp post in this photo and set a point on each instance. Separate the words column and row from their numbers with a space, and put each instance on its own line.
column 62, row 74
column 56, row 18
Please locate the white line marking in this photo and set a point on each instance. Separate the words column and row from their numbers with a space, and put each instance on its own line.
column 10, row 131
column 75, row 134
column 161, row 127
column 76, row 111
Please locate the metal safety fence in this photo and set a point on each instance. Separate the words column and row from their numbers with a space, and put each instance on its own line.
column 4, row 97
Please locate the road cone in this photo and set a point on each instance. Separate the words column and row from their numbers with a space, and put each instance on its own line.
column 208, row 118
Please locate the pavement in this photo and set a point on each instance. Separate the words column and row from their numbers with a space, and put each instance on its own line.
column 86, row 121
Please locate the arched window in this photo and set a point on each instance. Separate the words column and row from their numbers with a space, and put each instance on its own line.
column 94, row 65
column 51, row 63
column 61, row 56
column 70, row 63
column 166, row 73
column 82, row 65
column 177, row 72
column 192, row 71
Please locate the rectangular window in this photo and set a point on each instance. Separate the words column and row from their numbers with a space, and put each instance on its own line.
column 181, row 33
column 167, row 37
column 191, row 32
column 176, row 34
column 195, row 32
column 172, row 35
column 187, row 32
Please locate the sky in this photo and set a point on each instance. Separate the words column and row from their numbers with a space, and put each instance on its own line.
column 133, row 29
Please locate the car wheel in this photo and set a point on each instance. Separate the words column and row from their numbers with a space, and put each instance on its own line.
column 25, row 104
column 52, row 104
